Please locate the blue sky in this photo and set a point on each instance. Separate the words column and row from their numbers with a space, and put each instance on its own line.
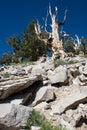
column 16, row 14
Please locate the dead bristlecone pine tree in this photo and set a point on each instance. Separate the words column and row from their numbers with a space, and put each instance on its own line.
column 53, row 40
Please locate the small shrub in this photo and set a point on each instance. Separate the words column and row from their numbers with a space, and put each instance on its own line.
column 59, row 62
column 71, row 62
column 62, row 62
column 30, row 63
column 37, row 119
column 6, row 75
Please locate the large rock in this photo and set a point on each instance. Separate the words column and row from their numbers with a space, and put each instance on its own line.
column 69, row 102
column 37, row 70
column 15, row 85
column 77, row 116
column 44, row 94
column 5, row 109
column 59, row 75
column 14, row 116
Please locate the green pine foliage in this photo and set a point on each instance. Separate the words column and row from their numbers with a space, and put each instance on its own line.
column 62, row 62
column 6, row 59
column 26, row 47
column 69, row 46
column 83, row 46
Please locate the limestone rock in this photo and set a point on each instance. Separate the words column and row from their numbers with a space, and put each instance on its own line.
column 66, row 125
column 16, row 101
column 31, row 85
column 78, row 116
column 59, row 75
column 17, row 72
column 37, row 70
column 49, row 65
column 69, row 102
column 76, row 81
column 83, row 89
column 5, row 108
column 79, row 81
column 15, row 85
column 14, row 70
column 28, row 69
column 81, row 69
column 46, row 82
column 85, row 69
column 83, row 78
column 35, row 128
column 15, row 118
column 69, row 113
column 41, row 106
column 44, row 94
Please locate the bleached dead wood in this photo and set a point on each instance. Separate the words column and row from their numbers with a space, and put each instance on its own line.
column 54, row 38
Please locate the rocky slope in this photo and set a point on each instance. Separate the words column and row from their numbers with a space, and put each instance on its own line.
column 58, row 91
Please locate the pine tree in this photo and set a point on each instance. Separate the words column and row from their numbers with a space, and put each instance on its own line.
column 28, row 46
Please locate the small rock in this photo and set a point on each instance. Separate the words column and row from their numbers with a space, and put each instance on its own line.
column 66, row 125
column 74, row 72
column 1, row 69
column 40, row 106
column 65, row 118
column 28, row 69
column 81, row 105
column 69, row 113
column 35, row 128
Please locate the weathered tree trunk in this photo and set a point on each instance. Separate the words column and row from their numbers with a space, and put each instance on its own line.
column 56, row 43
column 57, row 46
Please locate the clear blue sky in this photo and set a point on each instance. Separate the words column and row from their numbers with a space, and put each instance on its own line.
column 16, row 14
